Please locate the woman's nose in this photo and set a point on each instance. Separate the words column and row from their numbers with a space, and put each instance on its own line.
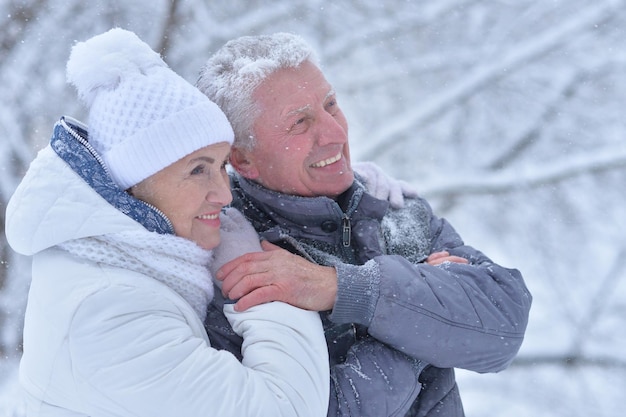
column 221, row 193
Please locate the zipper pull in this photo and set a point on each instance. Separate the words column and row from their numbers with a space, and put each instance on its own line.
column 347, row 232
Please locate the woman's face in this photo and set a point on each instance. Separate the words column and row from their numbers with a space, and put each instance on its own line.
column 191, row 192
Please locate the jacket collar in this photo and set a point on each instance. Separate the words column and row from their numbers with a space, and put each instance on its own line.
column 70, row 142
column 304, row 216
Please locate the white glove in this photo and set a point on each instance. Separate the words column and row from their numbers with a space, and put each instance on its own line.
column 238, row 237
column 383, row 187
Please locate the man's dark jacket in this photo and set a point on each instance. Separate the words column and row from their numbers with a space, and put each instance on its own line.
column 399, row 326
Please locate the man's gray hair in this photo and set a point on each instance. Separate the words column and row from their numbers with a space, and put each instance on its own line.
column 231, row 75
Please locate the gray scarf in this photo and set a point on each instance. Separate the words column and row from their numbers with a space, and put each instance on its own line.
column 177, row 262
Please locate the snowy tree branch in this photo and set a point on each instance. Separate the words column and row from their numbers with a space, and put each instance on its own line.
column 171, row 21
column 529, row 177
column 599, row 302
column 569, row 361
column 567, row 86
column 391, row 134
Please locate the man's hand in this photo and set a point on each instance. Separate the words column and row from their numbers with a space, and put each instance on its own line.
column 437, row 258
column 278, row 275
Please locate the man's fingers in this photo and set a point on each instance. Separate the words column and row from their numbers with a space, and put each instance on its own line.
column 233, row 264
column 249, row 282
column 453, row 259
column 269, row 246
column 258, row 296
column 437, row 255
column 242, row 263
column 457, row 259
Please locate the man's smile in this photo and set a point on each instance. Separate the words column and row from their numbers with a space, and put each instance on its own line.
column 328, row 161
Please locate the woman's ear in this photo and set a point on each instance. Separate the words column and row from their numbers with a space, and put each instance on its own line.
column 241, row 161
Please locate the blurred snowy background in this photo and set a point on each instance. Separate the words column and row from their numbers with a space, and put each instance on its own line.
column 507, row 114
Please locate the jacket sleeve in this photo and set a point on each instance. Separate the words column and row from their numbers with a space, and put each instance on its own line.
column 471, row 316
column 147, row 360
column 375, row 380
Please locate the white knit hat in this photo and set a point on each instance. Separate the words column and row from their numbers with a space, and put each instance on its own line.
column 142, row 116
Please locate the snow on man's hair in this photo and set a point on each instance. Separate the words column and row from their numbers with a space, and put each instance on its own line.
column 231, row 75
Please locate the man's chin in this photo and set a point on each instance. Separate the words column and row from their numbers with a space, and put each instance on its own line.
column 334, row 187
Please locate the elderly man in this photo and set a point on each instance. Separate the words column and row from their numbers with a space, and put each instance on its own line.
column 403, row 299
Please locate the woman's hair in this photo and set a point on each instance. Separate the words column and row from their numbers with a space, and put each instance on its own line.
column 231, row 75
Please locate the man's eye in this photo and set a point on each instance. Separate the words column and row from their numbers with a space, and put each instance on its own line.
column 298, row 125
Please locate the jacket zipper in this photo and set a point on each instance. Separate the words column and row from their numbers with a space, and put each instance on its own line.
column 86, row 144
column 346, row 231
column 95, row 154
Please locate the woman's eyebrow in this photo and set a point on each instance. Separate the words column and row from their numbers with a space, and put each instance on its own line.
column 202, row 158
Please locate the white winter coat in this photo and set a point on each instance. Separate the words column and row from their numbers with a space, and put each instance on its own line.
column 103, row 341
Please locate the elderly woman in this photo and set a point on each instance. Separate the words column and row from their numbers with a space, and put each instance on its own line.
column 124, row 226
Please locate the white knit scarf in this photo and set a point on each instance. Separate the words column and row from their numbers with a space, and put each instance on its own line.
column 177, row 262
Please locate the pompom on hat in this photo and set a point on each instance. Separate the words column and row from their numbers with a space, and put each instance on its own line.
column 143, row 117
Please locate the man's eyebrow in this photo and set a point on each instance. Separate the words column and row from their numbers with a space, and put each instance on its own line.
column 331, row 93
column 299, row 110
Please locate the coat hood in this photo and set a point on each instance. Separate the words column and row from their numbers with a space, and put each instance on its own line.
column 67, row 194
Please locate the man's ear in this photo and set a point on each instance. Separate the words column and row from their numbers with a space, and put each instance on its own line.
column 240, row 160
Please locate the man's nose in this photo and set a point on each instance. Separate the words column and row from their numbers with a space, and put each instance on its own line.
column 331, row 131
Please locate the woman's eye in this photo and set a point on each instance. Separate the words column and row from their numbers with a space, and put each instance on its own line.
column 198, row 170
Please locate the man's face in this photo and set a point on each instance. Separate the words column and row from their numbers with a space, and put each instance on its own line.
column 301, row 136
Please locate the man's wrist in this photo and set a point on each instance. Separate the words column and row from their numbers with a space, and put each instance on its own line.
column 357, row 293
